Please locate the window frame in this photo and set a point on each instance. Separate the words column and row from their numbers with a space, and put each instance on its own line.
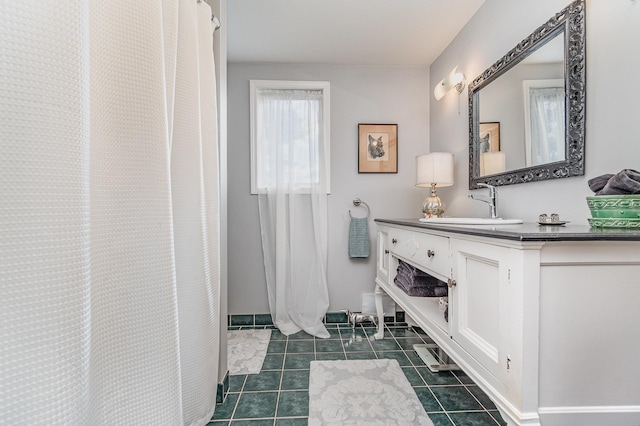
column 324, row 86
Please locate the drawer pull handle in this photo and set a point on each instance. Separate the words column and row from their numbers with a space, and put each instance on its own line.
column 451, row 283
column 394, row 241
column 431, row 253
column 386, row 251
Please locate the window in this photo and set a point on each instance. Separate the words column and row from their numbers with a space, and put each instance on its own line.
column 289, row 135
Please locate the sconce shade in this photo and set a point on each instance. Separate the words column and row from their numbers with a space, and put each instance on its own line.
column 492, row 163
column 434, row 168
column 455, row 80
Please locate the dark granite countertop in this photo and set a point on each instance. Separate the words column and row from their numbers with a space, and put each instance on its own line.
column 528, row 231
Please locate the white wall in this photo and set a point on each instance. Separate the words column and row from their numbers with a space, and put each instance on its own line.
column 612, row 132
column 358, row 95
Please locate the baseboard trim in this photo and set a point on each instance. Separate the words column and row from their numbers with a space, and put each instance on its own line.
column 264, row 320
column 595, row 415
column 223, row 389
column 592, row 409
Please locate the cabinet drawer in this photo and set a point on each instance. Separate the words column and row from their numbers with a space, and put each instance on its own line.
column 430, row 252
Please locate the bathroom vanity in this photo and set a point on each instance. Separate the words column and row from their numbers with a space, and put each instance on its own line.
column 545, row 319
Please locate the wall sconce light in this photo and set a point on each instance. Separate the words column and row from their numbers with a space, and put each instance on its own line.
column 455, row 80
column 435, row 169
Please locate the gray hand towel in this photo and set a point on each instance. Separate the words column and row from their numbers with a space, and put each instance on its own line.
column 598, row 182
column 405, row 267
column 422, row 291
column 359, row 237
column 625, row 182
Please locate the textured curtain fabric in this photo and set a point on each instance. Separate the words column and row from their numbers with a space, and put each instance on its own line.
column 194, row 189
column 293, row 208
column 108, row 213
column 547, row 124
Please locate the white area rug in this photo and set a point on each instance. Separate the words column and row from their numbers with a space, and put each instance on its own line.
column 246, row 350
column 367, row 392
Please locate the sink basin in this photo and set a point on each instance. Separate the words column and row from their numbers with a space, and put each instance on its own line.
column 470, row 221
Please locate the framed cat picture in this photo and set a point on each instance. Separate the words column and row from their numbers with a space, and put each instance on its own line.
column 377, row 148
column 489, row 137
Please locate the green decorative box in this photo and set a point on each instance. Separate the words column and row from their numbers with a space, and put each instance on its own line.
column 614, row 211
column 614, row 222
column 618, row 205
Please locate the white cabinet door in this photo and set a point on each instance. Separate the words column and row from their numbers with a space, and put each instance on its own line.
column 478, row 303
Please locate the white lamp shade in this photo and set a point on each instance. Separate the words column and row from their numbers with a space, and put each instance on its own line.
column 440, row 90
column 436, row 167
column 492, row 163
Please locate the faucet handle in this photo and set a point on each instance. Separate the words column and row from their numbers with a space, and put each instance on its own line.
column 492, row 188
column 485, row 185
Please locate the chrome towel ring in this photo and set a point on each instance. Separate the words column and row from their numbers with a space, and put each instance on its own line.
column 357, row 202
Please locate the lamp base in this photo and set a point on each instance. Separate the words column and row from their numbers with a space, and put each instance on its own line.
column 433, row 206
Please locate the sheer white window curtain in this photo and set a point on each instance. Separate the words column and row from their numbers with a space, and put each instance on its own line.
column 547, row 125
column 291, row 157
column 109, row 252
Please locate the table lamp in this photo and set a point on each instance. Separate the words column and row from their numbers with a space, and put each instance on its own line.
column 434, row 170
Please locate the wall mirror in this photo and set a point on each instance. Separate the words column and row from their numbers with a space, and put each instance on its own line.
column 527, row 111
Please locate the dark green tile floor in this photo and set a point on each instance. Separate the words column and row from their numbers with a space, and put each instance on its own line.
column 279, row 396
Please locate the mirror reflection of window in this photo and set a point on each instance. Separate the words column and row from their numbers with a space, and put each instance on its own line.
column 544, row 108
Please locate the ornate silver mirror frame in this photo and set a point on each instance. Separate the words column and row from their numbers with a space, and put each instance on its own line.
column 571, row 21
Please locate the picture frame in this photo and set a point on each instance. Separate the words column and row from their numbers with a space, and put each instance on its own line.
column 377, row 148
column 489, row 137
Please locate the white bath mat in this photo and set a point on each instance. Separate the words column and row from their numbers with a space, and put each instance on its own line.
column 367, row 392
column 246, row 350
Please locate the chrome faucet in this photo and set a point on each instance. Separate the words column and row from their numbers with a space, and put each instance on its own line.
column 492, row 199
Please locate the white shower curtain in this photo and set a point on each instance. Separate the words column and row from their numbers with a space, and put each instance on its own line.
column 109, row 253
column 293, row 209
